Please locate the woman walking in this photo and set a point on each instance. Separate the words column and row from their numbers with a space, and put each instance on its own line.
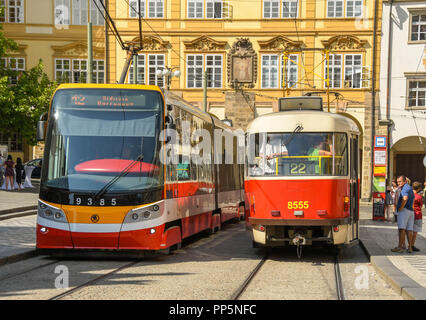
column 19, row 168
column 9, row 174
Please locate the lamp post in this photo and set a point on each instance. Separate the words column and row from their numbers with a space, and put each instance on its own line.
column 168, row 73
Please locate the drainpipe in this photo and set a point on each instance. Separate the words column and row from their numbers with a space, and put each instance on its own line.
column 373, row 102
column 388, row 99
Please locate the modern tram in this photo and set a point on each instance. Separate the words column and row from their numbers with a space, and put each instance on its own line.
column 302, row 176
column 116, row 177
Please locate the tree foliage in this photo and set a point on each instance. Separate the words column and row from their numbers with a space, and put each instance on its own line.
column 22, row 103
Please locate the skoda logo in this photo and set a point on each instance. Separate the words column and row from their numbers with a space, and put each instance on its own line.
column 94, row 218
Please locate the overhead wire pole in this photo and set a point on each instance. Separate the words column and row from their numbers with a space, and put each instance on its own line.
column 129, row 46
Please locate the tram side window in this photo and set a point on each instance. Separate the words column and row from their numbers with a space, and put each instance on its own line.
column 341, row 158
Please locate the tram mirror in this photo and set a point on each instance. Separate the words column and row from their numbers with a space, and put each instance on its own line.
column 169, row 107
column 41, row 127
column 169, row 122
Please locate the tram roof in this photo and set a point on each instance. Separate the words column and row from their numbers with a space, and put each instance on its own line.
column 311, row 121
column 107, row 86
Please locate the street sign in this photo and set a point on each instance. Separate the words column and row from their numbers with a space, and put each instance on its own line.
column 380, row 142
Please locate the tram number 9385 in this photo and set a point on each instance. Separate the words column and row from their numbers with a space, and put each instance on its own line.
column 91, row 202
column 298, row 205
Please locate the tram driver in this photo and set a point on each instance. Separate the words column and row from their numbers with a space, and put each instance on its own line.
column 270, row 152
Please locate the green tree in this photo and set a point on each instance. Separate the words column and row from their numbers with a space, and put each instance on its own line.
column 22, row 103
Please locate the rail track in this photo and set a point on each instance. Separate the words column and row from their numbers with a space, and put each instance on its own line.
column 337, row 276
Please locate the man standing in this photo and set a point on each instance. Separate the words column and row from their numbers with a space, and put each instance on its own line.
column 405, row 214
column 1, row 169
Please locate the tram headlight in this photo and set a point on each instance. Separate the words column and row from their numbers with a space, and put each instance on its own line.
column 143, row 213
column 49, row 212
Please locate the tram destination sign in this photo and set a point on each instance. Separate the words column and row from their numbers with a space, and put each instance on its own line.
column 109, row 98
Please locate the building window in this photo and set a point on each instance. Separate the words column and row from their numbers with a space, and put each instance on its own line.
column 149, row 8
column 273, row 72
column 353, row 70
column 416, row 93
column 333, row 71
column 197, row 63
column 356, row 76
column 209, row 9
column 147, row 66
column 353, row 8
column 290, row 8
column 272, row 8
column 418, row 26
column 140, row 69
column 13, row 11
column 75, row 70
column 335, row 8
column 14, row 64
column 13, row 142
column 82, row 10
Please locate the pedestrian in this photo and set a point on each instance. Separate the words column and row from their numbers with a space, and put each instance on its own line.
column 9, row 174
column 418, row 204
column 424, row 194
column 396, row 192
column 388, row 203
column 405, row 215
column 18, row 169
column 1, row 168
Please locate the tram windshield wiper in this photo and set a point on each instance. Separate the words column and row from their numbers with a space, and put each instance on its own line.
column 108, row 186
column 298, row 129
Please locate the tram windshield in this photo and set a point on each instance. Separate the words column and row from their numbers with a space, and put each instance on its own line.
column 95, row 135
column 298, row 154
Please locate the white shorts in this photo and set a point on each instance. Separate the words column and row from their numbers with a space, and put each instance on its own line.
column 406, row 219
column 417, row 225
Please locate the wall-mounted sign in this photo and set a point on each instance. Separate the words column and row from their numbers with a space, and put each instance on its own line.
column 380, row 142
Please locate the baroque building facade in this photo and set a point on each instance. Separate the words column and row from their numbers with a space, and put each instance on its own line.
column 254, row 52
column 54, row 31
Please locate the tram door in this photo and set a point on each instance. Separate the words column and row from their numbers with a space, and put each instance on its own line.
column 354, row 181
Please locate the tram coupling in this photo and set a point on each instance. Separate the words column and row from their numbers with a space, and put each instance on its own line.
column 299, row 240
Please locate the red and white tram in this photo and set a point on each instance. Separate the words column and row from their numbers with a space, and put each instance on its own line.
column 103, row 185
column 302, row 183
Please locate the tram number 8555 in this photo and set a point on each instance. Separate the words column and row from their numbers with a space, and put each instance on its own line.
column 298, row 205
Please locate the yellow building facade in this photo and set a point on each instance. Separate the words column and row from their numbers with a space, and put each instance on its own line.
column 255, row 51
column 54, row 31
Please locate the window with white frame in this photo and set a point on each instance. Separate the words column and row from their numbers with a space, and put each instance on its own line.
column 353, row 71
column 335, row 8
column 418, row 26
column 347, row 71
column 62, row 12
column 149, row 8
column 416, row 93
column 2, row 10
column 95, row 15
column 140, row 70
column 209, row 9
column 214, row 70
column 75, row 70
column 289, row 8
column 271, row 8
column 273, row 73
column 13, row 11
column 354, row 8
column 197, row 63
column 270, row 69
column 15, row 64
column 333, row 71
column 80, row 12
column 155, row 62
column 291, row 71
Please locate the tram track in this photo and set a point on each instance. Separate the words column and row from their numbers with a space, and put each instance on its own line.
column 339, row 288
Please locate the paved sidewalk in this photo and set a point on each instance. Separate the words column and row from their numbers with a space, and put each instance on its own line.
column 15, row 200
column 405, row 272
